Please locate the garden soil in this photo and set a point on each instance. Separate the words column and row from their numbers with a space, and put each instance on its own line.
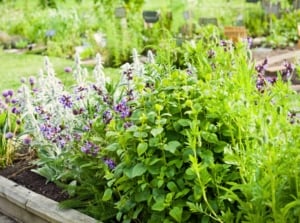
column 21, row 171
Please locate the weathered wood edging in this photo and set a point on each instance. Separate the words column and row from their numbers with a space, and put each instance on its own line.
column 26, row 206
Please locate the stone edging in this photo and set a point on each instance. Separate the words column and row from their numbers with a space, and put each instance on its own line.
column 26, row 206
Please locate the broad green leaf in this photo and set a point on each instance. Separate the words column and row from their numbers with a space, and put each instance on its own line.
column 138, row 170
column 107, row 194
column 184, row 122
column 158, row 205
column 139, row 134
column 176, row 213
column 172, row 146
column 141, row 196
column 160, row 183
column 112, row 147
column 209, row 137
column 182, row 193
column 142, row 147
column 172, row 186
column 157, row 131
column 207, row 156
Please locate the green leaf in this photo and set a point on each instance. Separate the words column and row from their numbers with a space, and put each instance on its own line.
column 107, row 194
column 176, row 213
column 112, row 147
column 158, row 205
column 184, row 122
column 142, row 147
column 138, row 170
column 141, row 196
column 172, row 186
column 139, row 134
column 209, row 137
column 182, row 193
column 157, row 131
column 172, row 146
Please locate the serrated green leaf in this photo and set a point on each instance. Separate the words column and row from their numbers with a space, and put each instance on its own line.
column 107, row 194
column 142, row 147
column 172, row 146
column 157, row 131
column 138, row 170
column 176, row 213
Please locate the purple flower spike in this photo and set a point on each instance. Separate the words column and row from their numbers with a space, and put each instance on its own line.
column 9, row 135
column 66, row 101
column 110, row 163
column 31, row 81
column 107, row 117
column 123, row 109
column 90, row 148
column 288, row 69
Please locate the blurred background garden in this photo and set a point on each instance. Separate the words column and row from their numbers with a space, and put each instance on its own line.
column 58, row 28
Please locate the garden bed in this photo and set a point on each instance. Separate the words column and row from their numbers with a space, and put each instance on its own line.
column 27, row 197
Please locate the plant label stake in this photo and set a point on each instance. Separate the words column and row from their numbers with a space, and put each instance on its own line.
column 150, row 17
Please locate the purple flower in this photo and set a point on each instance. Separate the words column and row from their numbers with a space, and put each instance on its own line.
column 10, row 93
column 86, row 128
column 123, row 109
column 288, row 69
column 31, row 81
column 271, row 80
column 16, row 111
column 5, row 93
column 90, row 148
column 66, row 101
column 260, row 68
column 27, row 141
column 127, row 125
column 107, row 117
column 77, row 137
column 49, row 131
column 9, row 135
column 78, row 111
column 14, row 101
column 110, row 163
column 68, row 69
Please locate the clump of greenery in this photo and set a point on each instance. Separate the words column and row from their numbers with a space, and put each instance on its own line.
column 283, row 30
column 210, row 142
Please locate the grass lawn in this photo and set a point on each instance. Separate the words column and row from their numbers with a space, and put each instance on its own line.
column 15, row 66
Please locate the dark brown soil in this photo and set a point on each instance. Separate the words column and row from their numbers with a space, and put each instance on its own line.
column 21, row 173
